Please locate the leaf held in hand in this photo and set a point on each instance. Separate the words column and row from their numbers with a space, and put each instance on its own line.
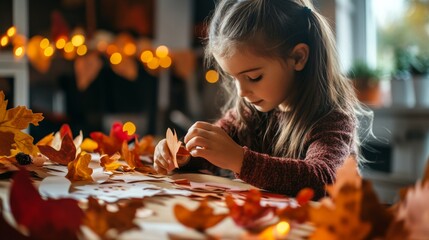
column 173, row 145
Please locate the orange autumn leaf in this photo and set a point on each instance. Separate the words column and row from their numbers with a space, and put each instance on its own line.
column 341, row 217
column 145, row 146
column 133, row 160
column 173, row 145
column 100, row 220
column 66, row 154
column 200, row 219
column 12, row 122
column 298, row 213
column 346, row 174
column 46, row 140
column 110, row 163
column 251, row 214
column 78, row 169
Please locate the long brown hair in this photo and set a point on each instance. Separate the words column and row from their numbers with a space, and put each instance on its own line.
column 271, row 28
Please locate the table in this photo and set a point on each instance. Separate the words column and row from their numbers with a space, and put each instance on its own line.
column 162, row 224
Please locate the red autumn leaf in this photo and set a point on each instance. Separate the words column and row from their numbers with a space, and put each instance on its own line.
column 66, row 154
column 6, row 230
column 251, row 215
column 99, row 219
column 12, row 121
column 65, row 130
column 199, row 219
column 44, row 219
column 113, row 143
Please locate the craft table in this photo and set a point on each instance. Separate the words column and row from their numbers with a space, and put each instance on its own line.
column 158, row 220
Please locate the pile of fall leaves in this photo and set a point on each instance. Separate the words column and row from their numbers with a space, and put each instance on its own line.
column 352, row 210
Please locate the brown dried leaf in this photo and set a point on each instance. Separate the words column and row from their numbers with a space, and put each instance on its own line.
column 99, row 219
column 65, row 155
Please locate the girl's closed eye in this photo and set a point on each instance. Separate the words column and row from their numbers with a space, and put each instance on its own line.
column 256, row 79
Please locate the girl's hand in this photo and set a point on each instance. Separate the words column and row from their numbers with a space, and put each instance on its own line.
column 163, row 161
column 214, row 144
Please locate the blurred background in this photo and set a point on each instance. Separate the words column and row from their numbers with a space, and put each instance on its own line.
column 90, row 63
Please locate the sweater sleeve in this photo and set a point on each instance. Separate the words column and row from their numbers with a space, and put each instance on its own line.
column 329, row 144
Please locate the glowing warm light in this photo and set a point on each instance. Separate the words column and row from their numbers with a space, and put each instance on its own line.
column 19, row 51
column 116, row 58
column 68, row 48
column 44, row 43
column 4, row 41
column 49, row 51
column 129, row 127
column 282, row 228
column 78, row 40
column 60, row 43
column 81, row 50
column 165, row 62
column 130, row 49
column 161, row 51
column 102, row 46
column 11, row 31
column 153, row 64
column 111, row 49
column 146, row 56
column 212, row 76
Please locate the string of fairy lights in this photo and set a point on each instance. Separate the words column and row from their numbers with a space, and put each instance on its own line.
column 76, row 45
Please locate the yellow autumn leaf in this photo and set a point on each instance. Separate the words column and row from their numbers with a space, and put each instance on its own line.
column 12, row 122
column 78, row 169
column 110, row 163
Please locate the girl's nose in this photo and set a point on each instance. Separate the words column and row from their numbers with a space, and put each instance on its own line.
column 241, row 89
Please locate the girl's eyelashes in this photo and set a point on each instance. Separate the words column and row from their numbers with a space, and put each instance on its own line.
column 255, row 79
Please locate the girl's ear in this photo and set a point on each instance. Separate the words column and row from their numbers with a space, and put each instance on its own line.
column 300, row 55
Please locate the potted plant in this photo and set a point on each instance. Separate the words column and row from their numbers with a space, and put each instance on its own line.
column 366, row 81
column 420, row 73
column 401, row 84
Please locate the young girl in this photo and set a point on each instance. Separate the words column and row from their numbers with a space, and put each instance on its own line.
column 292, row 118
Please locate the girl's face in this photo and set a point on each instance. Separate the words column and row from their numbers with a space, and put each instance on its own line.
column 263, row 82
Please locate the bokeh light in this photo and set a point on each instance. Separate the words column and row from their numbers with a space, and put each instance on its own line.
column 49, row 51
column 161, row 51
column 4, row 41
column 212, row 76
column 68, row 48
column 11, row 31
column 146, row 56
column 78, row 40
column 165, row 62
column 129, row 128
column 130, row 49
column 153, row 64
column 116, row 58
column 60, row 43
column 81, row 50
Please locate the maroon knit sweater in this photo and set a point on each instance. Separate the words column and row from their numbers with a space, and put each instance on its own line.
column 327, row 146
